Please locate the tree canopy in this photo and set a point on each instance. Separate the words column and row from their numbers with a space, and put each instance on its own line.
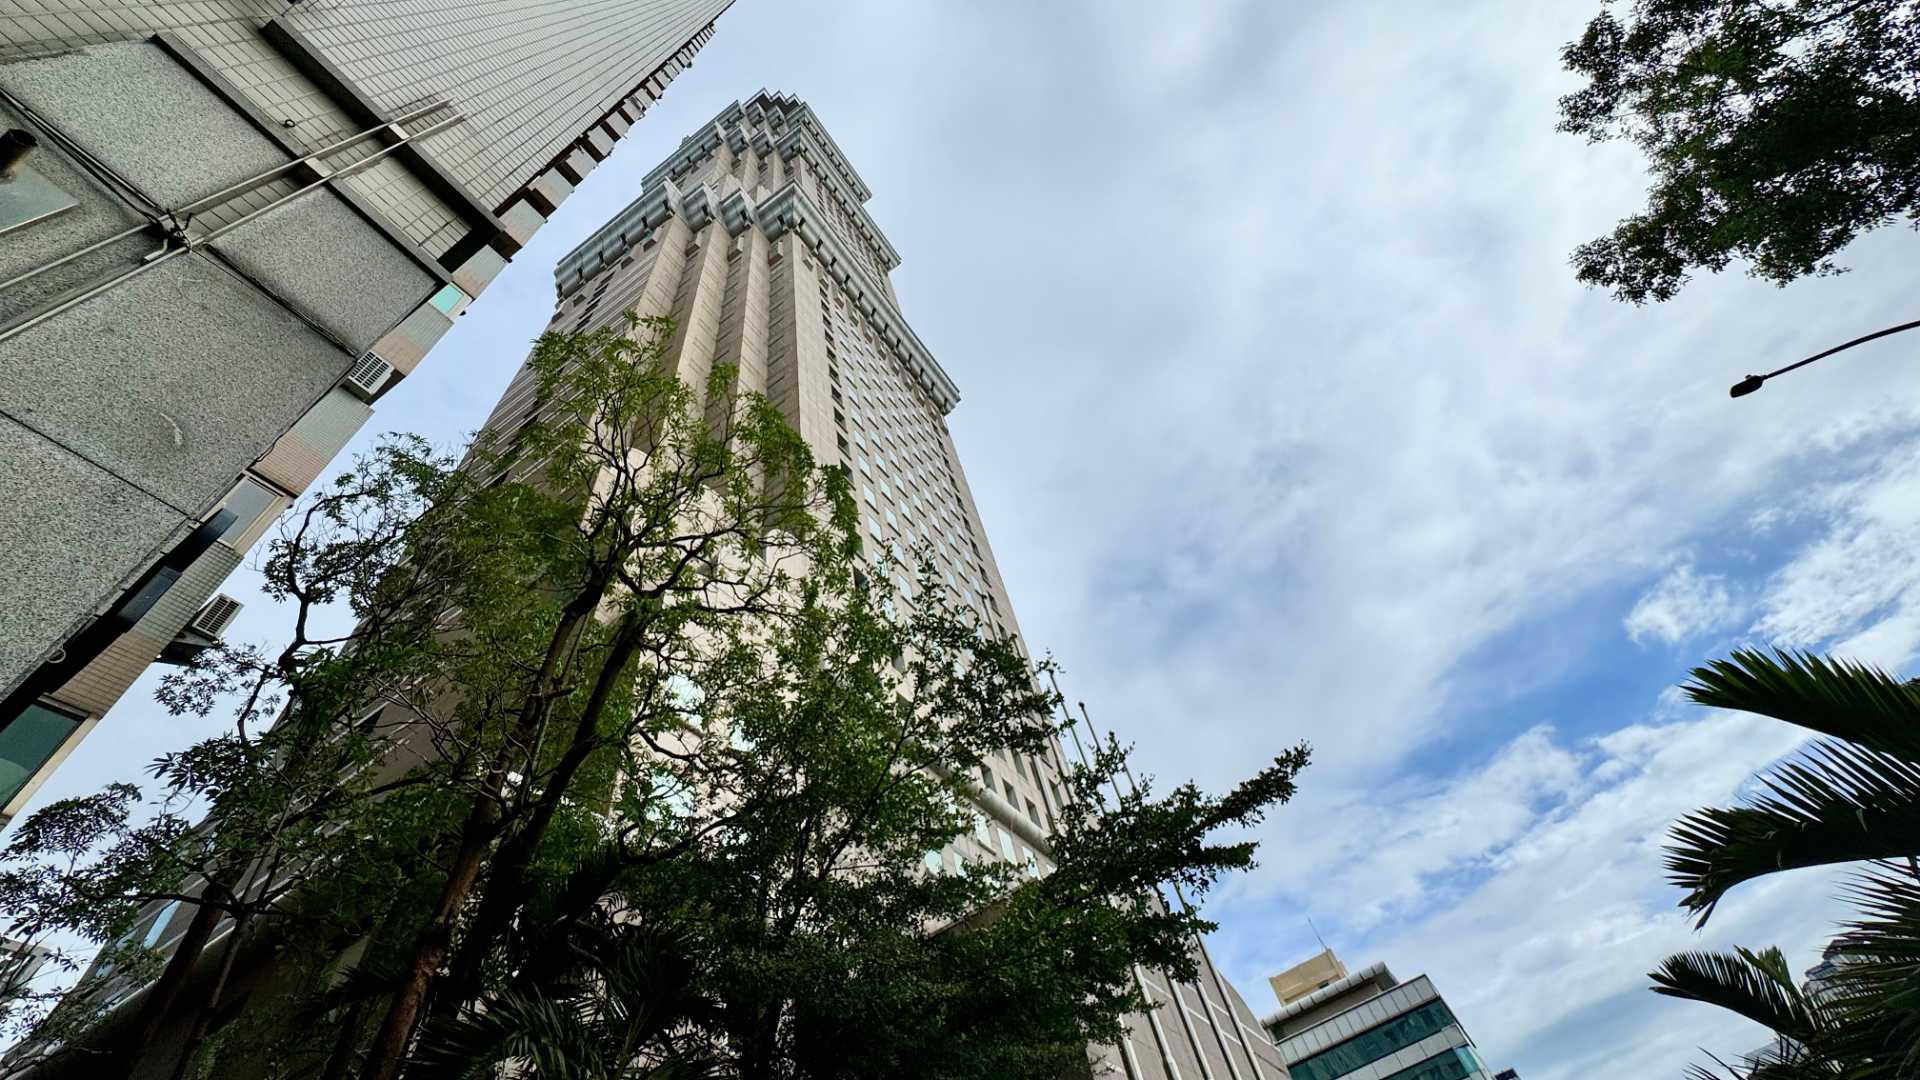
column 635, row 762
column 1776, row 132
column 1851, row 796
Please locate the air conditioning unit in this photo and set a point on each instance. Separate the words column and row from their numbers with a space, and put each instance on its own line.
column 213, row 619
column 368, row 375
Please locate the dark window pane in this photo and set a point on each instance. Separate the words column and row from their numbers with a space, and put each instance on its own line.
column 27, row 743
column 1451, row 1065
column 1370, row 1046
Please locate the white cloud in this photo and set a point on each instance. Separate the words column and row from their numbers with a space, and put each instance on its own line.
column 1860, row 580
column 1531, row 888
column 1287, row 421
column 1683, row 605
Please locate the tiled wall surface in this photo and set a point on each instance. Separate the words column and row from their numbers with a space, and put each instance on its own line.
column 182, row 100
column 530, row 76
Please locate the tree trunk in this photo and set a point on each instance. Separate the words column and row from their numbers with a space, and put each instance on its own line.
column 430, row 947
column 166, row 991
column 502, row 895
column 342, row 1055
column 435, row 940
column 506, row 886
column 203, row 1016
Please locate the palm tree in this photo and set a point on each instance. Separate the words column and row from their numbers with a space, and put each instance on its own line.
column 604, row 998
column 1852, row 796
column 1760, row 987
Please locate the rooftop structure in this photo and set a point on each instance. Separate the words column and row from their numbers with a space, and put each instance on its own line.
column 1368, row 1025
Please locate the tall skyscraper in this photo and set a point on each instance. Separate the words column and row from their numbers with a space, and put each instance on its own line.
column 754, row 238
column 1367, row 1026
column 226, row 229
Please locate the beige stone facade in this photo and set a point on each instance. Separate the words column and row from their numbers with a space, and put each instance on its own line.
column 1316, row 972
column 754, row 238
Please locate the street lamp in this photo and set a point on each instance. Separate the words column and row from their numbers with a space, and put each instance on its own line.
column 1752, row 382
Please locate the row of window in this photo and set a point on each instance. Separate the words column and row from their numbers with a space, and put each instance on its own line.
column 900, row 441
column 1458, row 1063
column 1047, row 807
column 993, row 841
column 1375, row 1043
column 872, row 381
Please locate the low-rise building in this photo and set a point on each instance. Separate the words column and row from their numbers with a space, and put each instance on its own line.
column 1367, row 1025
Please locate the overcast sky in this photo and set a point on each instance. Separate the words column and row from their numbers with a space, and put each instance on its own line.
column 1287, row 421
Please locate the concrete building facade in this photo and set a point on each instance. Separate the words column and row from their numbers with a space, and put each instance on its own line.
column 1367, row 1025
column 754, row 239
column 226, row 229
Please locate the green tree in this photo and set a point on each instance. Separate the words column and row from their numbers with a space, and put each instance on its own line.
column 833, row 950
column 629, row 656
column 1852, row 796
column 483, row 682
column 291, row 784
column 1776, row 131
column 609, row 998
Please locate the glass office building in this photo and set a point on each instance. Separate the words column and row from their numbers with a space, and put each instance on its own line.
column 1368, row 1026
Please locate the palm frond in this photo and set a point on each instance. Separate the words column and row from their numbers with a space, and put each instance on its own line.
column 546, row 1035
column 1836, row 802
column 1757, row 986
column 1874, row 986
column 1841, row 698
column 1778, row 1062
column 604, row 997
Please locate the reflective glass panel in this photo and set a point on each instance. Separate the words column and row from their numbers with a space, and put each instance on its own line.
column 27, row 743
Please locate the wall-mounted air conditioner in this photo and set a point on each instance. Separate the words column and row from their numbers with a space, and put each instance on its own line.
column 368, row 375
column 213, row 619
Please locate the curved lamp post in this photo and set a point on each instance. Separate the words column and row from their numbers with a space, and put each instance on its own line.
column 1752, row 382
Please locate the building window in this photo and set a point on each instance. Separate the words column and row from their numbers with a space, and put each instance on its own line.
column 1375, row 1043
column 28, row 743
column 249, row 501
column 1458, row 1063
column 159, row 926
column 450, row 300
